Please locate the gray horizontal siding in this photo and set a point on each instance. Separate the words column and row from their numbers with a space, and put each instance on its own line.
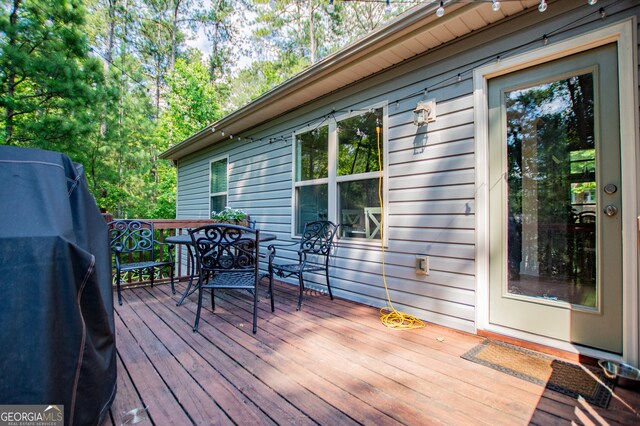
column 431, row 177
column 435, row 207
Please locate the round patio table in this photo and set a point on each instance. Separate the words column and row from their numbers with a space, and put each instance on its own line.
column 185, row 239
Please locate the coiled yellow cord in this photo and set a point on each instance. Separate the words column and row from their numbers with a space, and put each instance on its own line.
column 389, row 316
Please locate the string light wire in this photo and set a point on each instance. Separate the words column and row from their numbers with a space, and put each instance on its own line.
column 275, row 136
column 123, row 71
column 389, row 315
column 449, row 79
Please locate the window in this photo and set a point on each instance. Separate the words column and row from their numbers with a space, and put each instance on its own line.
column 311, row 180
column 582, row 164
column 360, row 159
column 218, row 185
column 337, row 174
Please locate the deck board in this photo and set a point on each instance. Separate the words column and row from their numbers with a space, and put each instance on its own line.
column 293, row 346
column 126, row 400
column 405, row 396
column 149, row 385
column 413, row 360
column 331, row 363
column 233, row 335
column 272, row 404
column 184, row 370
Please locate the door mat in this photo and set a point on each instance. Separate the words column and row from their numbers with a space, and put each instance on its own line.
column 560, row 376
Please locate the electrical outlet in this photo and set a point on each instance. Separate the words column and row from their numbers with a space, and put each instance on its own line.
column 422, row 264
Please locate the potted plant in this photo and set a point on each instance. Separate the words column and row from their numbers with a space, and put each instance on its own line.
column 230, row 215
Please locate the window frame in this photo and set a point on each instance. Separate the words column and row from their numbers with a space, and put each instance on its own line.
column 333, row 180
column 217, row 194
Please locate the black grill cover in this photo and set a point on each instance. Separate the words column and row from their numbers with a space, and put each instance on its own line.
column 57, row 337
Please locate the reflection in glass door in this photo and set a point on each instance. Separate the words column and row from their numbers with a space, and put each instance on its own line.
column 551, row 190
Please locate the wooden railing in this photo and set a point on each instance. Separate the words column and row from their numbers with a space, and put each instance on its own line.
column 163, row 229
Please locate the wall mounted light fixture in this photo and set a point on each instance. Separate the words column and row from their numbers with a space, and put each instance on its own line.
column 425, row 112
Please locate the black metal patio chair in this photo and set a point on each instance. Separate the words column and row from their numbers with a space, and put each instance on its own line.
column 134, row 247
column 227, row 258
column 314, row 252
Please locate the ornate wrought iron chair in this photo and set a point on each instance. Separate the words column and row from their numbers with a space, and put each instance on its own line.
column 314, row 253
column 228, row 258
column 134, row 247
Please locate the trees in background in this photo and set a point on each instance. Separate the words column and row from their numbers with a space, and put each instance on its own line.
column 288, row 36
column 113, row 83
column 48, row 82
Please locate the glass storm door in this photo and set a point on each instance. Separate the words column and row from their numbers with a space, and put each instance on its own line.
column 554, row 200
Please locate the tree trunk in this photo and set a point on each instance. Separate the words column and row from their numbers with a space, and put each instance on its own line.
column 110, row 33
column 11, row 77
column 213, row 61
column 123, row 52
column 312, row 34
column 107, row 65
column 158, row 82
column 174, row 30
column 158, row 72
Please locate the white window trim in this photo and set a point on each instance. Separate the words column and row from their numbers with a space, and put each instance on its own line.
column 216, row 194
column 333, row 180
column 623, row 33
column 294, row 173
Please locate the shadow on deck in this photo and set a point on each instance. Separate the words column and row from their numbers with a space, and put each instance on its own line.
column 332, row 363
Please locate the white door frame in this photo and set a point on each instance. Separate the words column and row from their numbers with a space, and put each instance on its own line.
column 623, row 33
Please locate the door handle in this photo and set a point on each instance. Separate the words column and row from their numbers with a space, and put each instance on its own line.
column 611, row 210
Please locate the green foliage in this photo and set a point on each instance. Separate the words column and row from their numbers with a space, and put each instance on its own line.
column 112, row 83
column 299, row 34
column 229, row 215
column 260, row 77
column 192, row 101
column 220, row 28
column 49, row 85
column 165, row 206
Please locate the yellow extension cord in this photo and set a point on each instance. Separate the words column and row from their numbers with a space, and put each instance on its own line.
column 389, row 316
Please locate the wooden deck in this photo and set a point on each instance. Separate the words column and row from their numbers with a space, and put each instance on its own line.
column 332, row 363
